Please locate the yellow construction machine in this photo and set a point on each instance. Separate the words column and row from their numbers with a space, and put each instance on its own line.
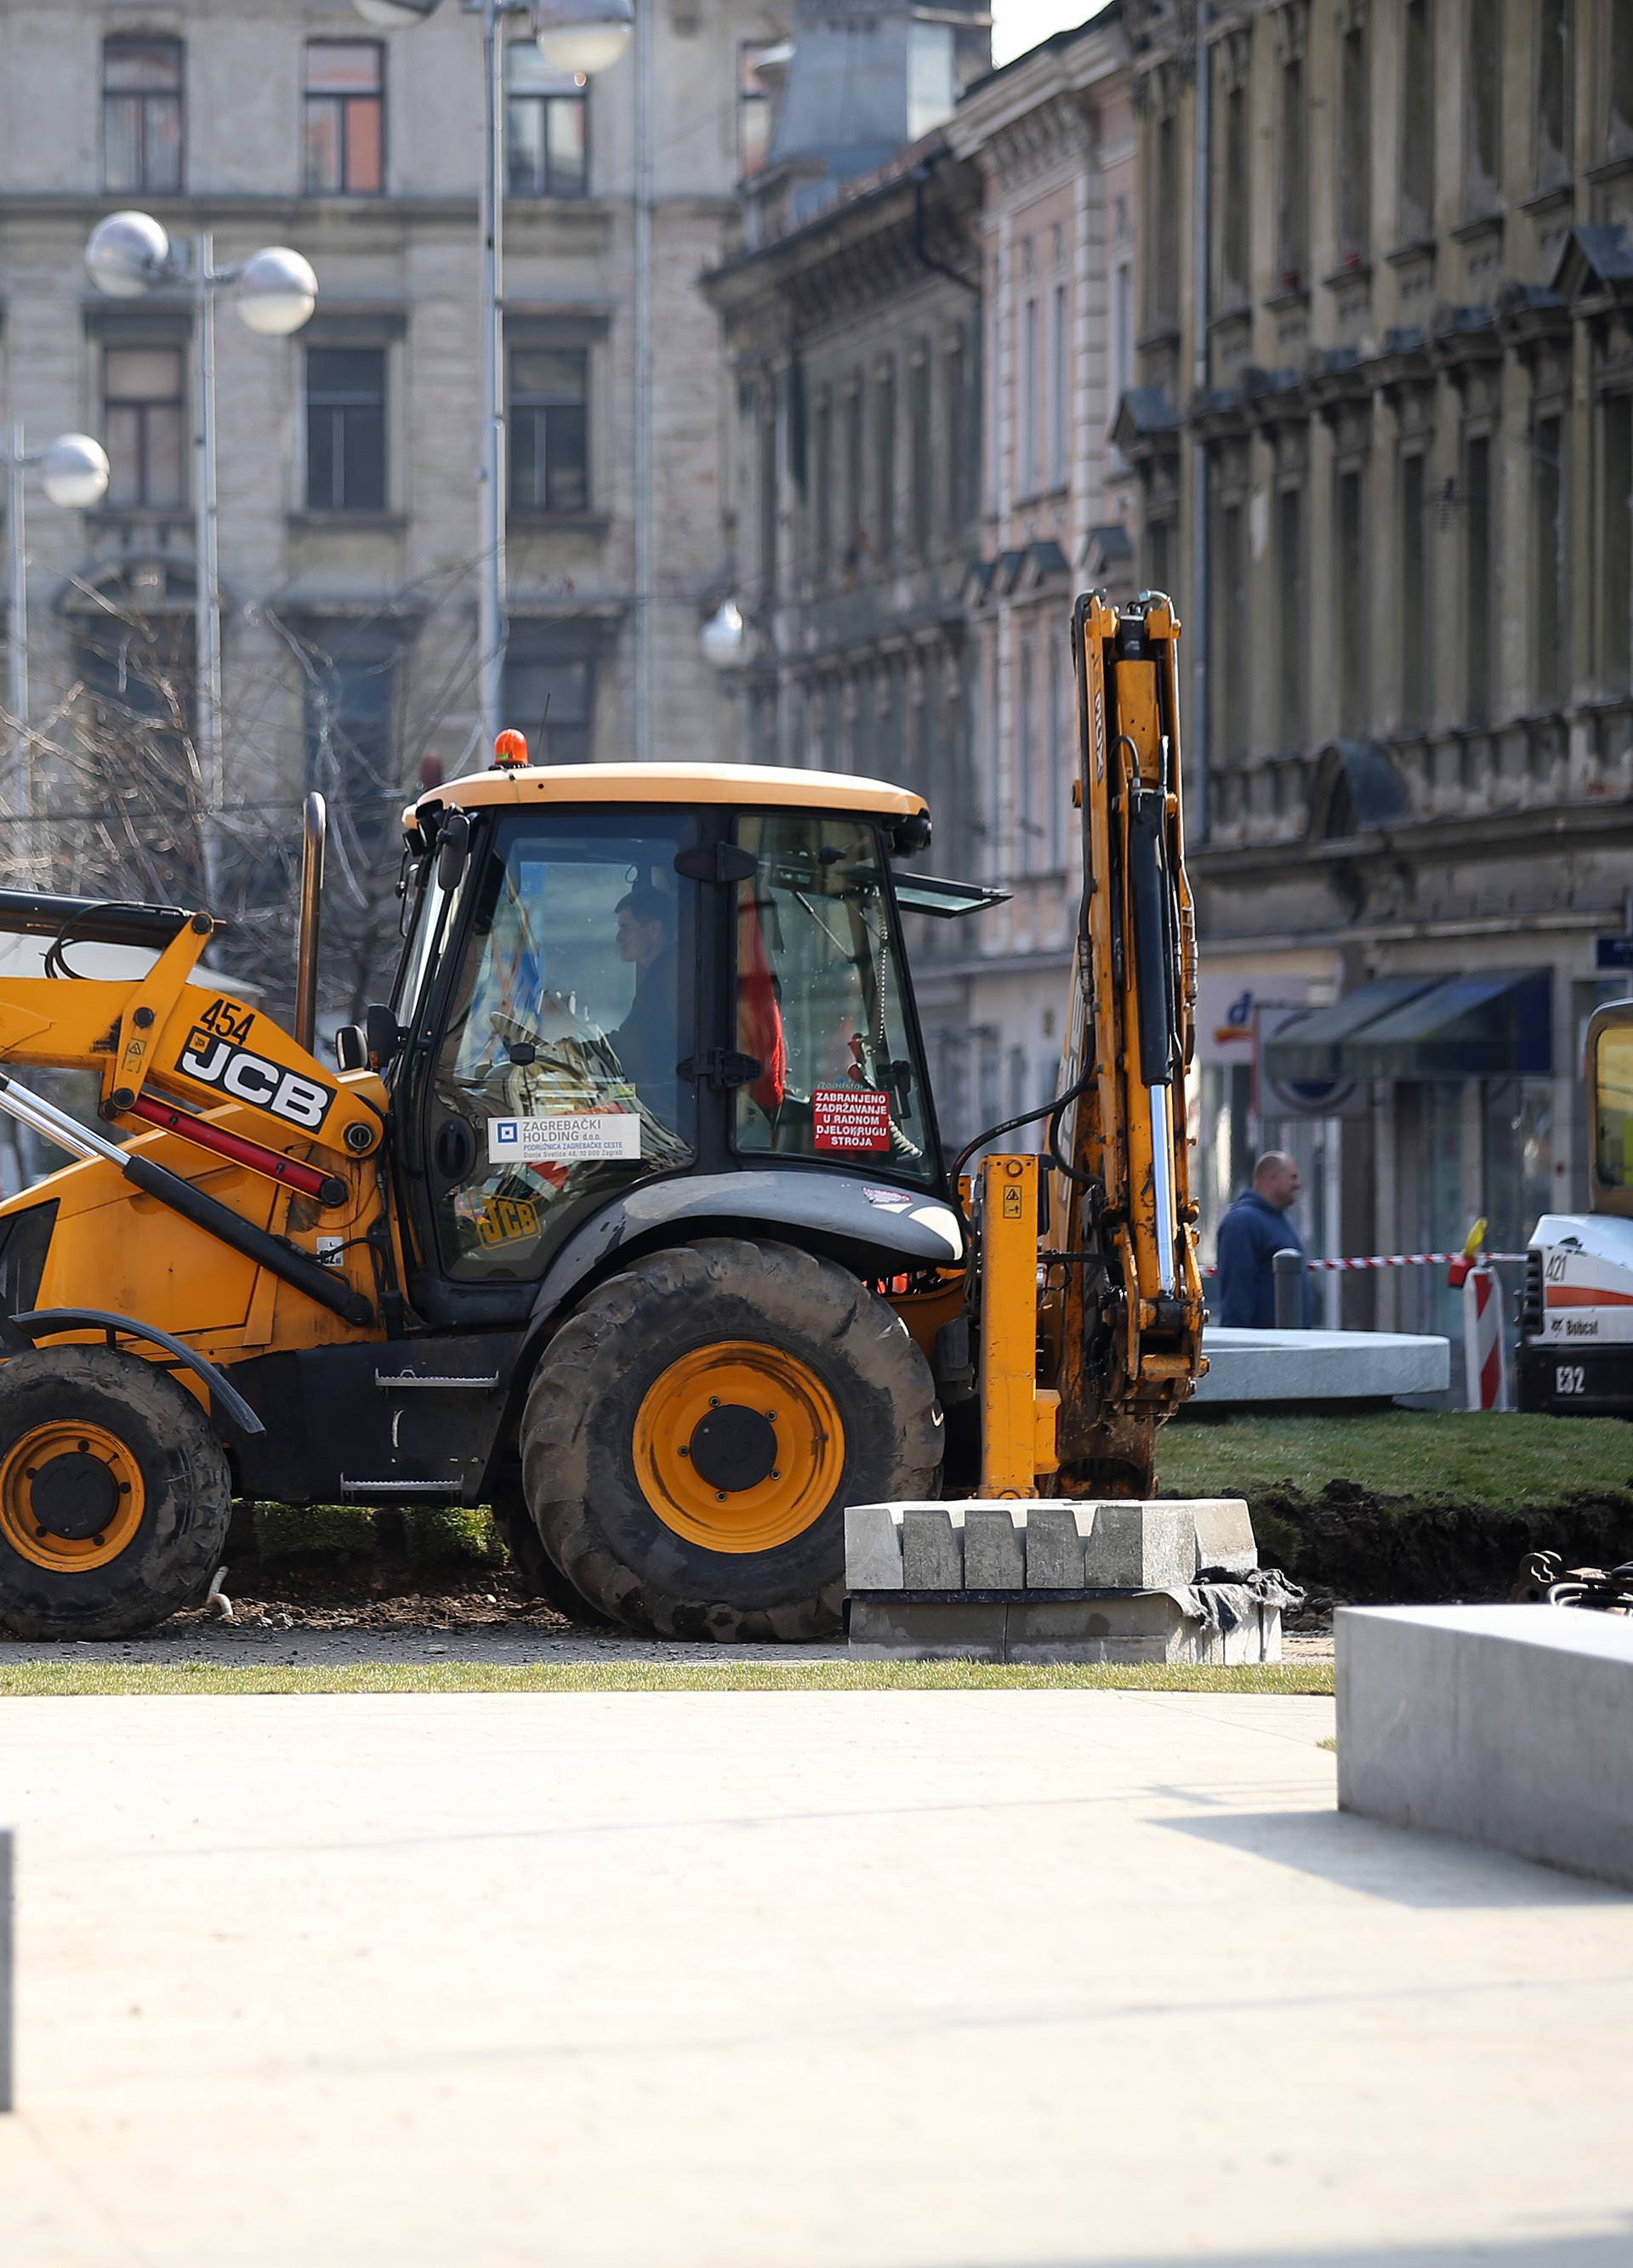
column 627, row 1215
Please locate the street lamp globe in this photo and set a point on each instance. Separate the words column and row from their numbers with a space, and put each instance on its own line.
column 583, row 36
column 394, row 15
column 74, row 473
column 126, row 255
column 277, row 291
column 724, row 635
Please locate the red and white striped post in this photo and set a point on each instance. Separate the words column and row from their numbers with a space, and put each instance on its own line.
column 1485, row 1353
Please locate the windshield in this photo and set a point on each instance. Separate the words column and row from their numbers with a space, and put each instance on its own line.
column 820, row 1003
column 1612, row 1105
column 556, row 1076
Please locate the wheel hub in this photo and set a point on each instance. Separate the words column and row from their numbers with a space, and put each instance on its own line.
column 733, row 1448
column 74, row 1495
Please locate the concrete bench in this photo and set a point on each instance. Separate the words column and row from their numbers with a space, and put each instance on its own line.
column 1316, row 1367
column 1060, row 1580
column 1511, row 1726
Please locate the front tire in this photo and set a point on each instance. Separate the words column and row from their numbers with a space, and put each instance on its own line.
column 695, row 1430
column 115, row 1495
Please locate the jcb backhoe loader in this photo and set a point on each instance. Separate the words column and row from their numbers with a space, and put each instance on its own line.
column 627, row 1215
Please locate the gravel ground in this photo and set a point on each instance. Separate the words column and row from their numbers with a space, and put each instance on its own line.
column 310, row 1623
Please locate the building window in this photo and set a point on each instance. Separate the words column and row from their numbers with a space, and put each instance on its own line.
column 143, row 427
column 549, row 429
column 1483, row 77
column 554, row 703
column 1233, row 207
column 1162, row 549
column 546, row 127
column 1031, row 479
column 1480, row 579
column 754, row 108
column 768, row 498
column 1355, row 149
column 1293, row 209
column 1059, row 384
column 1231, row 666
column 958, row 430
column 1618, row 78
column 1555, row 86
column 1616, row 543
column 351, row 751
column 1418, row 124
column 345, row 118
column 1349, row 532
column 1291, row 626
column 884, row 458
column 1164, row 238
column 920, row 440
column 854, row 534
column 345, row 429
column 142, row 116
column 822, row 499
column 1027, row 765
column 932, row 77
column 1415, row 588
column 1548, row 553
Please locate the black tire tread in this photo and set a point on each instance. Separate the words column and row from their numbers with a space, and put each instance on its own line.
column 592, row 1349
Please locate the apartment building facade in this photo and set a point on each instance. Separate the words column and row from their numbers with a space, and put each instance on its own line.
column 349, row 454
column 1380, row 430
column 926, row 368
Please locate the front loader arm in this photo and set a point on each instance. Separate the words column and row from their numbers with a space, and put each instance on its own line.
column 198, row 1044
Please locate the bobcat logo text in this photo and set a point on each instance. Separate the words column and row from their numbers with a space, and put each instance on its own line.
column 216, row 1056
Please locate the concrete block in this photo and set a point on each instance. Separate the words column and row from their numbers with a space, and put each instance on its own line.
column 1148, row 1628
column 1247, row 1367
column 925, row 1631
column 873, row 1548
column 932, row 1549
column 994, row 1548
column 1224, row 1537
column 1507, row 1725
column 1054, row 1547
column 1114, row 1557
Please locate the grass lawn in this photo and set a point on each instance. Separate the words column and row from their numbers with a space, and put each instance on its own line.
column 1499, row 1459
column 49, row 1679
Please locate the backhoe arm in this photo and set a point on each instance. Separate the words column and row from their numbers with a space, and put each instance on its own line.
column 1130, row 1297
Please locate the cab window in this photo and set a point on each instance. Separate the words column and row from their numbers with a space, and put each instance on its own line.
column 555, row 1078
column 1613, row 1107
column 820, row 1002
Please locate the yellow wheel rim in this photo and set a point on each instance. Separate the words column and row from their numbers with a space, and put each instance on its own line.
column 739, row 1447
column 71, row 1497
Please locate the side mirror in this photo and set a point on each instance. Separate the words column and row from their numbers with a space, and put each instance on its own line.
column 911, row 834
column 382, row 1036
column 453, row 844
column 352, row 1048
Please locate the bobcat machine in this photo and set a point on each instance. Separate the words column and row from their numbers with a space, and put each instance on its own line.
column 1576, row 1311
column 627, row 1215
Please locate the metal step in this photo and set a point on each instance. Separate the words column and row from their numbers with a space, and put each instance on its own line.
column 401, row 1488
column 387, row 1380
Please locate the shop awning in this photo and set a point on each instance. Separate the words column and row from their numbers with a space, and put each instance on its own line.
column 1497, row 1025
column 1311, row 1046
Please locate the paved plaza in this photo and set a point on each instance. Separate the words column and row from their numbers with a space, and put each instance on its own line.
column 940, row 1979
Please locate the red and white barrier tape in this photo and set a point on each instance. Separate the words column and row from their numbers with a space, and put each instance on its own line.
column 1400, row 1260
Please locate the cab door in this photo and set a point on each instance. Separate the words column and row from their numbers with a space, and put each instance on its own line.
column 547, row 1077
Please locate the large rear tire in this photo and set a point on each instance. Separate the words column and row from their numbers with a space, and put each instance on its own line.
column 695, row 1430
column 115, row 1495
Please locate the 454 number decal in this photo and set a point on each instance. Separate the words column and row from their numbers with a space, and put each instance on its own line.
column 216, row 1054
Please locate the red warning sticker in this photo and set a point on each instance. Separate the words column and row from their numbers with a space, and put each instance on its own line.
column 850, row 1118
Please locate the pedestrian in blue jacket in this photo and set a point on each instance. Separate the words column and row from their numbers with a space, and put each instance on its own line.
column 1258, row 1225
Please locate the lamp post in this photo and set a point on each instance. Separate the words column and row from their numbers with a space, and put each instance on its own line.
column 73, row 472
column 276, row 291
column 581, row 36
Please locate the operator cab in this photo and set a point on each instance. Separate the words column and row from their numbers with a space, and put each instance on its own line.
column 618, row 975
